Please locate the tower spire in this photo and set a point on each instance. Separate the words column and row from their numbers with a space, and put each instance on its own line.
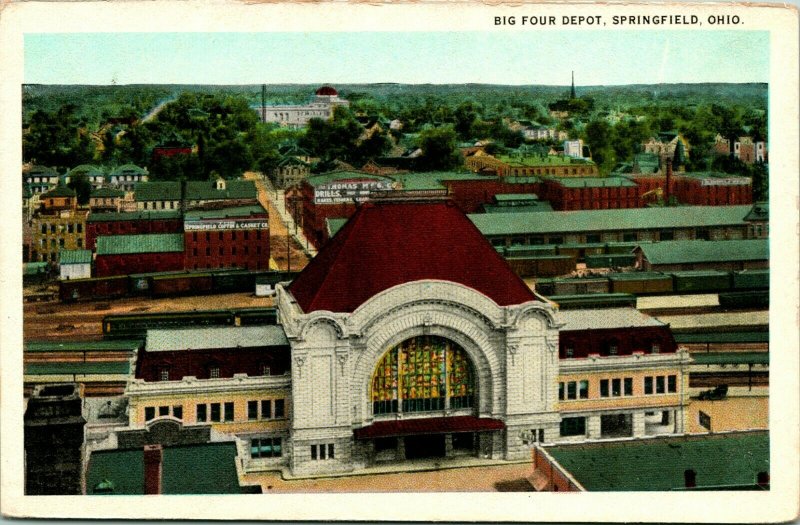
column 572, row 91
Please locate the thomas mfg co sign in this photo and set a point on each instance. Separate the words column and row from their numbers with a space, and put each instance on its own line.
column 226, row 224
column 349, row 191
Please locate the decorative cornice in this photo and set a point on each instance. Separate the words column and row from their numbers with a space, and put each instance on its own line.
column 192, row 385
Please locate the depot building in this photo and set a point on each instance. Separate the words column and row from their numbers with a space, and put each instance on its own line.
column 408, row 336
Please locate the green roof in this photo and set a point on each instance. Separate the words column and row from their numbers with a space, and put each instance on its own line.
column 759, row 212
column 107, row 192
column 293, row 161
column 544, row 161
column 595, row 182
column 730, row 358
column 609, row 220
column 145, row 243
column 60, row 191
column 124, row 470
column 636, row 276
column 129, row 169
column 82, row 346
column 134, row 216
column 334, row 225
column 87, row 169
column 333, row 176
column 88, row 368
column 722, row 337
column 516, row 197
column 224, row 213
column 719, row 460
column 34, row 268
column 75, row 257
column 195, row 190
column 540, row 206
column 678, row 252
column 42, row 171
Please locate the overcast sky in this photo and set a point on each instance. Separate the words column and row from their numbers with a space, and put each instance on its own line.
column 598, row 57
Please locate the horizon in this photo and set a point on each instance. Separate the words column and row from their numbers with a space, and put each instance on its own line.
column 334, row 84
column 599, row 58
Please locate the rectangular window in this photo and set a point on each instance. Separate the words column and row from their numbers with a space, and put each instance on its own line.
column 279, row 408
column 252, row 410
column 208, row 251
column 655, row 348
column 616, row 387
column 569, row 351
column 556, row 240
column 233, row 235
column 163, row 411
column 561, row 390
column 163, row 374
column 233, row 250
column 628, row 386
column 229, row 411
column 660, row 385
column 573, row 426
column 219, row 236
column 149, row 413
column 629, row 237
column 672, row 384
column 604, row 388
column 177, row 411
column 321, row 451
column 648, row 385
column 313, row 452
column 572, row 390
column 213, row 372
column 266, row 409
column 80, row 228
column 593, row 238
column 612, row 349
column 330, row 451
column 266, row 448
column 583, row 389
column 221, row 250
column 215, row 412
column 666, row 235
column 265, row 370
column 202, row 413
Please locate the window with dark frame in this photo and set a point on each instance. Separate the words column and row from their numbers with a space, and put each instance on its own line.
column 648, row 385
column 252, row 410
column 672, row 384
column 628, row 386
column 616, row 387
column 228, row 415
column 266, row 409
column 279, row 408
column 149, row 413
column 583, row 389
column 216, row 413
column 572, row 392
column 202, row 413
column 660, row 388
column 604, row 388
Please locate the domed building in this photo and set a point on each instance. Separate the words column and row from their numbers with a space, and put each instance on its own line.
column 326, row 98
column 408, row 336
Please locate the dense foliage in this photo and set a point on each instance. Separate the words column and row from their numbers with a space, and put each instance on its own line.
column 68, row 125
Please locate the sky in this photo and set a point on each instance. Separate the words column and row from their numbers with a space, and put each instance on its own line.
column 529, row 57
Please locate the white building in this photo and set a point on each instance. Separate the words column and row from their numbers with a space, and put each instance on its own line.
column 75, row 264
column 325, row 100
column 573, row 148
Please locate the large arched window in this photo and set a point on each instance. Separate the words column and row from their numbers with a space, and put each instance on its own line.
column 423, row 374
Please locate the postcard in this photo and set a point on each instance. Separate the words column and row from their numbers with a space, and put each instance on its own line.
column 443, row 261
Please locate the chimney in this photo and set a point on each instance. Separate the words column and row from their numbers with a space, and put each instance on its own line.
column 152, row 469
column 668, row 184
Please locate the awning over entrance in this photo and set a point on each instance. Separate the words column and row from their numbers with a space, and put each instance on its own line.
column 430, row 425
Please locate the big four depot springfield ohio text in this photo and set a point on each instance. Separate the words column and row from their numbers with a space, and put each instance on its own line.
column 617, row 20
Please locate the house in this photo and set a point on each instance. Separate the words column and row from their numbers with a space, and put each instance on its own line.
column 75, row 264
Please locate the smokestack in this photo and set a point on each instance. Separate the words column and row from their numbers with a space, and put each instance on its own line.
column 263, row 102
column 667, row 192
column 152, row 469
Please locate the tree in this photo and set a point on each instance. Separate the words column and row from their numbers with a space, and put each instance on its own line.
column 439, row 152
column 82, row 187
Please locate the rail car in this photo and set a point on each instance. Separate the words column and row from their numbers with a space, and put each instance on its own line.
column 665, row 283
column 747, row 299
column 134, row 326
column 164, row 284
column 597, row 300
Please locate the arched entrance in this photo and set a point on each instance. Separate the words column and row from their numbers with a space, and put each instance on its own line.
column 424, row 403
column 423, row 374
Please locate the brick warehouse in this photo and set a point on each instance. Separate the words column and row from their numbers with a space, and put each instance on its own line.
column 227, row 238
column 161, row 241
column 436, row 350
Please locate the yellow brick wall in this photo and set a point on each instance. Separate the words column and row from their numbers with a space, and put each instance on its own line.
column 638, row 399
column 240, row 422
column 61, row 232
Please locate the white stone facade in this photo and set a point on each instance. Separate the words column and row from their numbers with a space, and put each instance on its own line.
column 298, row 116
column 513, row 351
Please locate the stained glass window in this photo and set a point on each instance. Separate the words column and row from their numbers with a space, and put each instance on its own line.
column 422, row 374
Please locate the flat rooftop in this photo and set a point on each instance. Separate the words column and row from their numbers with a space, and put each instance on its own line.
column 722, row 461
column 598, row 319
column 215, row 337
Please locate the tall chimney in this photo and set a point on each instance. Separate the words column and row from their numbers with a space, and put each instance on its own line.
column 152, row 469
column 668, row 184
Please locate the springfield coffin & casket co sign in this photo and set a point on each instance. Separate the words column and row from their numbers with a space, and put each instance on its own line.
column 228, row 224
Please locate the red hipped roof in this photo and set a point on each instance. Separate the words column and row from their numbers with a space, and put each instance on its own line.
column 428, row 425
column 387, row 243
